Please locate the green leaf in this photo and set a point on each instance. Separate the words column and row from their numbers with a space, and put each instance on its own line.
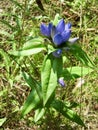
column 51, row 70
column 32, row 83
column 68, row 113
column 27, row 52
column 34, row 100
column 75, row 72
column 39, row 114
column 2, row 120
column 81, row 55
column 34, row 43
column 70, row 104
column 32, row 46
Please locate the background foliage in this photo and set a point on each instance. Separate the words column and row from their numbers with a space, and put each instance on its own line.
column 19, row 23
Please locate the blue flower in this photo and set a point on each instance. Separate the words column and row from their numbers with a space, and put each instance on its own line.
column 59, row 34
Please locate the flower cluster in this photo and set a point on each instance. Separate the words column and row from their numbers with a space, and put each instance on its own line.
column 59, row 34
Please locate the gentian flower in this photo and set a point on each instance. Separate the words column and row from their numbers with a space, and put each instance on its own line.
column 61, row 81
column 59, row 35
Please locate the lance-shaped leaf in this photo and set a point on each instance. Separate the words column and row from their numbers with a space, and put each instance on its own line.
column 39, row 114
column 32, row 46
column 34, row 100
column 68, row 113
column 81, row 55
column 34, row 43
column 51, row 70
column 75, row 72
column 27, row 52
column 34, row 84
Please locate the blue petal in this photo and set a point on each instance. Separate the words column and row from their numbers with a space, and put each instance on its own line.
column 66, row 35
column 50, row 28
column 61, row 26
column 53, row 31
column 44, row 30
column 57, row 53
column 73, row 40
column 67, row 26
column 61, row 82
column 58, row 39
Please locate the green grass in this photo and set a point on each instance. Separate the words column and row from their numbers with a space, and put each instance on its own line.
column 19, row 24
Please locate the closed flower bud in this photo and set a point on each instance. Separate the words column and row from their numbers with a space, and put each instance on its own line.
column 61, row 82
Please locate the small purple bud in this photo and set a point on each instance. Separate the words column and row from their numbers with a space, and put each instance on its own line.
column 57, row 53
column 61, row 82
